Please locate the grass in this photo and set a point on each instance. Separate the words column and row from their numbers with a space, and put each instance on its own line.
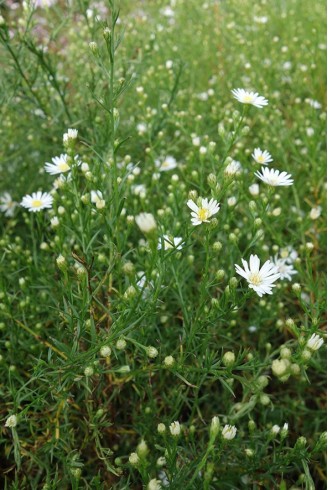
column 107, row 330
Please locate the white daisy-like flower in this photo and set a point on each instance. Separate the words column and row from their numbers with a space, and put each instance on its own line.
column 59, row 165
column 233, row 168
column 7, row 205
column 229, row 432
column 285, row 270
column 254, row 189
column 166, row 243
column 315, row 342
column 201, row 214
column 146, row 222
column 139, row 190
column 262, row 157
column 252, row 98
column 313, row 103
column 259, row 279
column 273, row 177
column 96, row 196
column 70, row 135
column 37, row 201
column 288, row 254
column 169, row 163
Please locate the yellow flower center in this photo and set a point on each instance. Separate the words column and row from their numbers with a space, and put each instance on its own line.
column 255, row 279
column 248, row 99
column 36, row 203
column 203, row 214
column 63, row 167
column 260, row 158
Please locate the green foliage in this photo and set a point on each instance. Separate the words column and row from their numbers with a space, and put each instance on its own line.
column 123, row 335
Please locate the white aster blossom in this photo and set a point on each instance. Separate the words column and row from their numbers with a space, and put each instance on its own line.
column 201, row 214
column 7, row 205
column 259, row 279
column 37, row 201
column 175, row 428
column 166, row 242
column 252, row 98
column 154, row 485
column 315, row 212
column 96, row 197
column 229, row 432
column 313, row 103
column 262, row 157
column 285, row 269
column 146, row 222
column 233, row 168
column 59, row 165
column 273, row 177
column 275, row 429
column 169, row 163
column 288, row 254
column 70, row 135
column 11, row 421
column 315, row 342
column 254, row 189
column 141, row 128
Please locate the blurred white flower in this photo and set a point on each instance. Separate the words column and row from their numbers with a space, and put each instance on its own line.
column 201, row 214
column 70, row 135
column 273, row 177
column 262, row 157
column 285, row 270
column 146, row 222
column 233, row 168
column 166, row 242
column 11, row 421
column 252, row 98
column 315, row 342
column 315, row 212
column 254, row 189
column 175, row 428
column 7, row 205
column 169, row 163
column 261, row 280
column 37, row 201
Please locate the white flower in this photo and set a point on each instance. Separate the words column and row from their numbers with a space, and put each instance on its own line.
column 96, row 196
column 254, row 189
column 232, row 201
column 315, row 212
column 166, row 242
column 154, row 485
column 273, row 177
column 11, row 421
column 70, row 135
column 200, row 214
column 175, row 428
column 139, row 190
column 141, row 128
column 169, row 163
column 233, row 168
column 146, row 222
column 37, row 201
column 261, row 280
column 252, row 98
column 260, row 20
column 288, row 254
column 7, row 205
column 262, row 157
column 275, row 429
column 285, row 270
column 315, row 342
column 313, row 103
column 229, row 432
column 59, row 165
